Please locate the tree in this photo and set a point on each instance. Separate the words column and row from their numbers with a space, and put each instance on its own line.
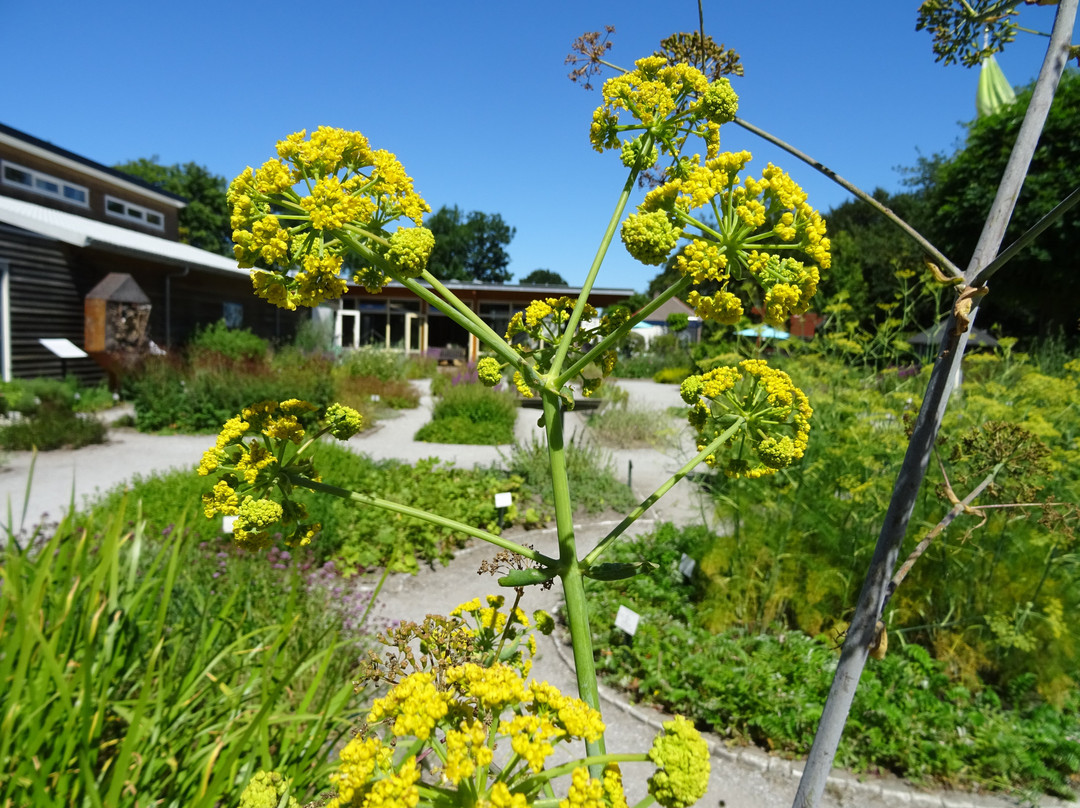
column 1039, row 292
column 469, row 247
column 868, row 251
column 204, row 222
column 545, row 277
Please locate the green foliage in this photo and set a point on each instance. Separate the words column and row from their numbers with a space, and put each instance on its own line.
column 199, row 396
column 768, row 688
column 589, row 471
column 629, row 427
column 544, row 277
column 375, row 362
column 469, row 247
column 672, row 375
column 49, row 414
column 204, row 221
column 368, row 537
column 231, row 343
column 473, row 414
column 960, row 189
column 52, row 429
column 153, row 670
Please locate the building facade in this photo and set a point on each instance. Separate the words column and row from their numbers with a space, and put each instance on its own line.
column 66, row 223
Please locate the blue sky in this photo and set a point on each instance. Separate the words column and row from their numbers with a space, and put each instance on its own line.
column 473, row 96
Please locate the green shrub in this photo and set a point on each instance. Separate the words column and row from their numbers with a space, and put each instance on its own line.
column 472, row 414
column 172, row 395
column 366, row 537
column 154, row 671
column 375, row 362
column 768, row 688
column 50, row 429
column 672, row 375
column 629, row 427
column 231, row 343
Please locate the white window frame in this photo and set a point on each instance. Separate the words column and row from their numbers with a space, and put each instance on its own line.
column 37, row 177
column 134, row 213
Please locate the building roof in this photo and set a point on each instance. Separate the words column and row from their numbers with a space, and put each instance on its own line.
column 55, row 154
column 671, row 306
column 80, row 231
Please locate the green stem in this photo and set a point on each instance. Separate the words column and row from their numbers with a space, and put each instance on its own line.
column 590, row 279
column 416, row 513
column 927, row 247
column 547, row 775
column 482, row 330
column 466, row 318
column 577, row 612
column 649, row 501
column 606, row 343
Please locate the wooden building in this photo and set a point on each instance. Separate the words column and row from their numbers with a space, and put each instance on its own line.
column 394, row 318
column 66, row 223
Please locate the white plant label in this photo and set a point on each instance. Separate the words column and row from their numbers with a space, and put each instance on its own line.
column 504, row 500
column 686, row 566
column 627, row 620
column 227, row 524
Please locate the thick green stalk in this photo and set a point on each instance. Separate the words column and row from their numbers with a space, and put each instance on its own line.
column 649, row 501
column 426, row 516
column 577, row 611
column 606, row 343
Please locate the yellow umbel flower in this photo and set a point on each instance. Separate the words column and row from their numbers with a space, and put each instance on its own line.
column 775, row 417
column 748, row 224
column 682, row 760
column 667, row 102
column 259, row 456
column 295, row 217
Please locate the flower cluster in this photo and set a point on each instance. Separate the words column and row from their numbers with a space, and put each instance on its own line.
column 537, row 332
column 258, row 458
column 772, row 414
column 460, row 718
column 667, row 102
column 487, row 737
column 265, row 790
column 756, row 221
column 349, row 194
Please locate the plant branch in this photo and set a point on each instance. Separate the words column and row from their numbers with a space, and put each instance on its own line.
column 650, row 500
column 417, row 513
column 605, row 344
column 1010, row 252
column 598, row 259
column 942, row 379
column 927, row 247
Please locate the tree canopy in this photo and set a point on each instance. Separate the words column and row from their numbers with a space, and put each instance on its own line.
column 545, row 277
column 469, row 247
column 204, row 223
column 1038, row 290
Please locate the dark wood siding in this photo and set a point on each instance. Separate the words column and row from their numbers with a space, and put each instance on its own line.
column 45, row 302
column 49, row 281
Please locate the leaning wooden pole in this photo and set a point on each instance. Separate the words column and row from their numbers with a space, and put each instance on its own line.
column 942, row 379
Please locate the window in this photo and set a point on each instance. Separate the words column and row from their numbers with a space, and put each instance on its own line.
column 40, row 183
column 134, row 213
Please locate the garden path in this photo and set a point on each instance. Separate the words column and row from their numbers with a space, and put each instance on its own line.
column 740, row 779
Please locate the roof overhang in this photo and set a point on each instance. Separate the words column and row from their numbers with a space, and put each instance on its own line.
column 84, row 233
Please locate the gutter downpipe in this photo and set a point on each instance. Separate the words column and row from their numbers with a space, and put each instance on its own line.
column 168, row 302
